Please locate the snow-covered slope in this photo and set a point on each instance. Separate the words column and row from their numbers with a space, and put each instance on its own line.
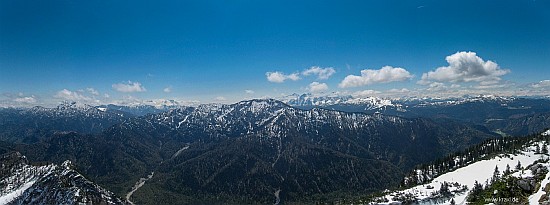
column 462, row 180
column 370, row 103
column 22, row 183
column 71, row 109
column 141, row 109
column 374, row 102
column 457, row 100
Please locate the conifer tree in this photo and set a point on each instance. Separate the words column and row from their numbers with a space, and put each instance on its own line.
column 518, row 166
column 496, row 175
column 444, row 189
column 476, row 190
column 507, row 171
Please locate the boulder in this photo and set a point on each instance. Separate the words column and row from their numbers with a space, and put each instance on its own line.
column 526, row 184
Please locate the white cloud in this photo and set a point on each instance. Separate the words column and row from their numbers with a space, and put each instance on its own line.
column 321, row 73
column 493, row 86
column 437, row 86
column 127, row 100
column 279, row 77
column 465, row 67
column 250, row 92
column 167, row 89
column 316, row 87
column 17, row 100
column 129, row 87
column 541, row 84
column 220, row 99
column 385, row 75
column 25, row 99
column 402, row 90
column 71, row 96
column 92, row 91
column 365, row 93
column 489, row 82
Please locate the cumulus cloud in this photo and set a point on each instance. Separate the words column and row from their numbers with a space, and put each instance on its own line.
column 17, row 100
column 437, row 86
column 250, row 92
column 321, row 73
column 92, row 91
column 366, row 93
column 494, row 86
column 129, row 87
column 385, row 75
column 465, row 67
column 541, row 84
column 402, row 90
column 25, row 100
column 20, row 98
column 71, row 96
column 442, row 87
column 317, row 87
column 279, row 77
column 167, row 89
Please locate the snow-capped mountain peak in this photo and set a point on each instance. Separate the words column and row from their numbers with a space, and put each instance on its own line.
column 370, row 103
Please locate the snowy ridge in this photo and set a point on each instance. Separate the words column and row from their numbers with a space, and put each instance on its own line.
column 71, row 109
column 264, row 116
column 22, row 183
column 144, row 108
column 371, row 103
column 17, row 176
column 378, row 103
column 461, row 100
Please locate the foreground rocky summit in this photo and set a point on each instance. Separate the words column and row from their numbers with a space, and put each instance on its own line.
column 23, row 183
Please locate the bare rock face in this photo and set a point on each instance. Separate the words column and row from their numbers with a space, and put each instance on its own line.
column 538, row 170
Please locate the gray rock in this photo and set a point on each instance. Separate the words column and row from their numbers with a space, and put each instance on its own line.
column 526, row 184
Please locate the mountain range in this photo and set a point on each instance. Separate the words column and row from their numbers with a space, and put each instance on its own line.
column 514, row 116
column 261, row 151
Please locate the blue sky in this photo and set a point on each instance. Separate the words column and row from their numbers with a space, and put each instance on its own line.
column 212, row 51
